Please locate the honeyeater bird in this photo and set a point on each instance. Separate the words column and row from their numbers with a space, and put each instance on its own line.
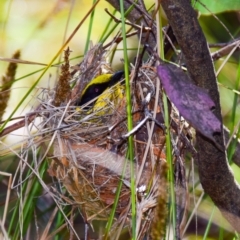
column 107, row 91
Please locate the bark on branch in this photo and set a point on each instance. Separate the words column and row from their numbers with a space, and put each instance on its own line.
column 214, row 171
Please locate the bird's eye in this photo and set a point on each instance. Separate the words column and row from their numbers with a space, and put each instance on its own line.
column 96, row 89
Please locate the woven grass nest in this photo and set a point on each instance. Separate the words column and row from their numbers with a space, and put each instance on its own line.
column 89, row 151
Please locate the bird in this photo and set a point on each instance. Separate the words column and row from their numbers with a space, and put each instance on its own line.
column 104, row 91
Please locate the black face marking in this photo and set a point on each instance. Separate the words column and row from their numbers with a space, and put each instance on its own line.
column 116, row 77
column 92, row 92
column 97, row 89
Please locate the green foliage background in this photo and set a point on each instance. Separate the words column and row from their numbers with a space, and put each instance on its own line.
column 39, row 28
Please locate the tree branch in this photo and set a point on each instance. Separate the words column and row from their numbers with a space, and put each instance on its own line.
column 139, row 15
column 134, row 17
column 214, row 171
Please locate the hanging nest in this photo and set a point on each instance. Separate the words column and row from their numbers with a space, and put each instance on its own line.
column 90, row 149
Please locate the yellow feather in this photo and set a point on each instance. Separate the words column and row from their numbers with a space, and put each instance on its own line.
column 109, row 100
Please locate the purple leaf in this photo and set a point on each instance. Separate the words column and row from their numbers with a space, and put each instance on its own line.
column 193, row 102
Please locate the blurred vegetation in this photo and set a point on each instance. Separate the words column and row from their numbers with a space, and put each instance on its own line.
column 39, row 29
column 216, row 33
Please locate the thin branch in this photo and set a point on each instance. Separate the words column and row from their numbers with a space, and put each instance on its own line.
column 225, row 50
column 138, row 15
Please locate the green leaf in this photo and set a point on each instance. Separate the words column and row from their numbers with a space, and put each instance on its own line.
column 217, row 6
